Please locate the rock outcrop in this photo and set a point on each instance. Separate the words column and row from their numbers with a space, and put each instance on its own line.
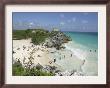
column 56, row 39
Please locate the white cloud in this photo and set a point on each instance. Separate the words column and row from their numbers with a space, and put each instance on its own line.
column 30, row 26
column 62, row 23
column 73, row 19
column 84, row 21
column 31, row 23
column 62, row 15
column 68, row 21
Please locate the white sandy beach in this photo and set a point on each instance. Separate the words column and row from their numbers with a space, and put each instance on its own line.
column 65, row 59
column 39, row 53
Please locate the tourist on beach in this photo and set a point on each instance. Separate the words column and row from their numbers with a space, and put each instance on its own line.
column 32, row 45
column 14, row 52
column 50, row 62
column 54, row 60
column 24, row 60
column 90, row 50
column 59, row 58
column 28, row 50
column 24, row 47
column 18, row 48
column 71, row 55
column 19, row 60
column 83, row 62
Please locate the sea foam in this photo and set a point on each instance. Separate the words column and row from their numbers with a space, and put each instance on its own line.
column 81, row 54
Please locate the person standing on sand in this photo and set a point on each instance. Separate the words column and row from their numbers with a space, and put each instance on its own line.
column 83, row 62
column 54, row 60
column 71, row 55
column 64, row 56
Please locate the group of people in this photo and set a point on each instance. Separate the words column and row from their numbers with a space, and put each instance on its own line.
column 91, row 50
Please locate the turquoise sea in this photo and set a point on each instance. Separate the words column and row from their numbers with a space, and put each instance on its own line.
column 84, row 45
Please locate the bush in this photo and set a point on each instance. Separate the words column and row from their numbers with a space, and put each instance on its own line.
column 19, row 34
column 19, row 70
column 38, row 37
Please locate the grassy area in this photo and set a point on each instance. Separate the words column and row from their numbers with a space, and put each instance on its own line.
column 19, row 70
column 19, row 34
column 37, row 37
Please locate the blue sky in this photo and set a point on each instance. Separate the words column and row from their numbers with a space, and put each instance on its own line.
column 65, row 21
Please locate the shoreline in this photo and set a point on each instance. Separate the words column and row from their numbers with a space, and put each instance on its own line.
column 65, row 61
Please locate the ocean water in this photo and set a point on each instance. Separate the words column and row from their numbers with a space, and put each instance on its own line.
column 84, row 45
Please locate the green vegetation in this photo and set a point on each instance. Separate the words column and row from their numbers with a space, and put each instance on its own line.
column 19, row 34
column 53, row 33
column 37, row 35
column 19, row 70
